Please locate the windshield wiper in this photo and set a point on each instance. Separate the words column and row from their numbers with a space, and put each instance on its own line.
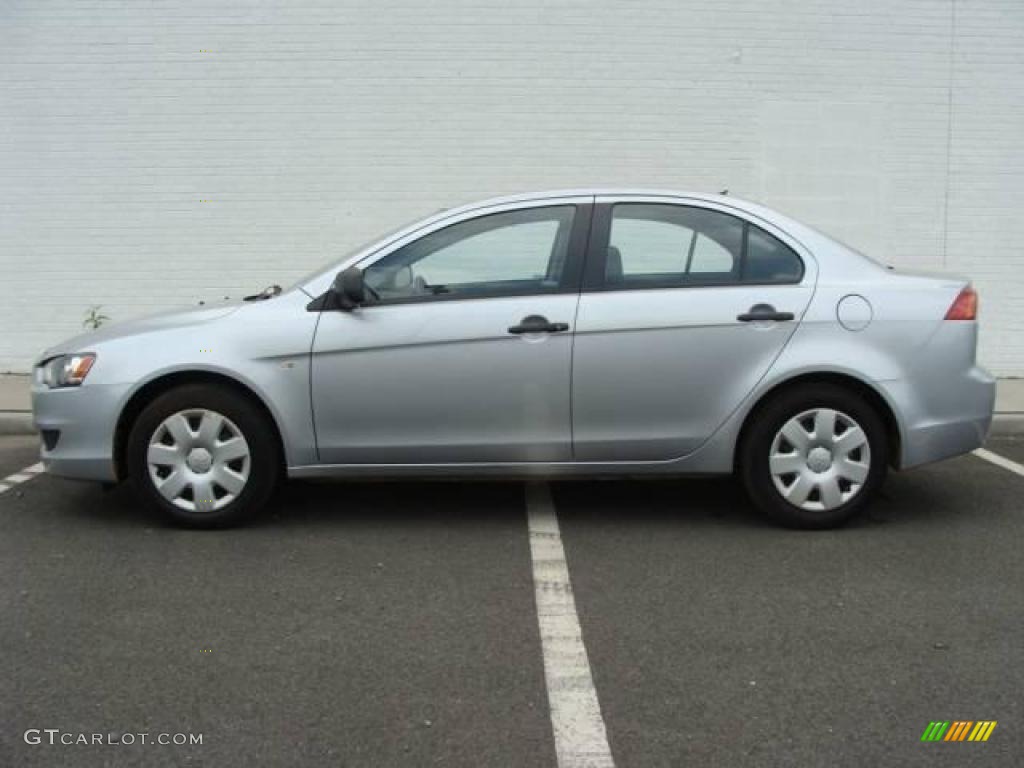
column 267, row 293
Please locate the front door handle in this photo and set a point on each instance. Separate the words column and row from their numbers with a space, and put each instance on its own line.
column 538, row 324
column 762, row 312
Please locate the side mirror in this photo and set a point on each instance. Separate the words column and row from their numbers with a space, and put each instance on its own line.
column 348, row 289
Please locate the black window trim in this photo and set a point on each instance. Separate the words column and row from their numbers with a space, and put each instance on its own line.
column 594, row 279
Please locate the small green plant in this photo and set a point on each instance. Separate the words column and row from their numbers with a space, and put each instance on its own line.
column 94, row 318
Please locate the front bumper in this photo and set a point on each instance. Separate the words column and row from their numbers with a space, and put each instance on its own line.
column 85, row 418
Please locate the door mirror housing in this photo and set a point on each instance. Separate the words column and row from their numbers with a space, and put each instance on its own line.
column 348, row 289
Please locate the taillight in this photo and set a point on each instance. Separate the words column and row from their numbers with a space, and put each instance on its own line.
column 964, row 306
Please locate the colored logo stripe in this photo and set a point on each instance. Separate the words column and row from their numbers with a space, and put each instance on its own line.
column 982, row 730
column 958, row 730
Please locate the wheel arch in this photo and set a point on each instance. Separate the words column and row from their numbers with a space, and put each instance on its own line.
column 155, row 387
column 872, row 395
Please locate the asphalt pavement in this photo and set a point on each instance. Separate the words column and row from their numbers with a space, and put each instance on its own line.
column 394, row 624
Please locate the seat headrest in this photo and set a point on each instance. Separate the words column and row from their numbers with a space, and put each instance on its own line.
column 613, row 265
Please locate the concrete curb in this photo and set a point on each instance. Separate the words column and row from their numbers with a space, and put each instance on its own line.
column 1007, row 425
column 16, row 423
column 20, row 423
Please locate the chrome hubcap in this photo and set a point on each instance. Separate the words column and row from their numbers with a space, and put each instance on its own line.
column 198, row 460
column 820, row 459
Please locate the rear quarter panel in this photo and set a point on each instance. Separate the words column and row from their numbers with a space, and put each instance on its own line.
column 907, row 312
column 913, row 358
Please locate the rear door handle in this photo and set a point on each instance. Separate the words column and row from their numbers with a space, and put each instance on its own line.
column 538, row 324
column 762, row 312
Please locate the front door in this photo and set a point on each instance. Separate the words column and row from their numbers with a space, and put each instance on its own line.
column 464, row 355
column 683, row 310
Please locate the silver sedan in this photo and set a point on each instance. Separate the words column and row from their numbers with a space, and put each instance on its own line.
column 560, row 334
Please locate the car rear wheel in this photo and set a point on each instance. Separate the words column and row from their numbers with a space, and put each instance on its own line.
column 813, row 456
column 203, row 456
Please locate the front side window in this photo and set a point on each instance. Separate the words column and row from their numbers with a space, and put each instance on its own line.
column 656, row 245
column 512, row 253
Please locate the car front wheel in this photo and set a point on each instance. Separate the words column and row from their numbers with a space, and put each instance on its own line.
column 203, row 456
column 814, row 456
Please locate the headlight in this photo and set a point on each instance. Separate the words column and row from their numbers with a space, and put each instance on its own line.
column 66, row 370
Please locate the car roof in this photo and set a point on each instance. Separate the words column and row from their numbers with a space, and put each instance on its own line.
column 737, row 203
column 811, row 240
column 523, row 197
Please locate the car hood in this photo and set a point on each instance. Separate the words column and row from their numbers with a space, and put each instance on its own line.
column 172, row 318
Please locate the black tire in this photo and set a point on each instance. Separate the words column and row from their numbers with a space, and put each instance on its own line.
column 264, row 469
column 769, row 419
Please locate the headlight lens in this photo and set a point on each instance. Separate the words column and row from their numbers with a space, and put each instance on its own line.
column 67, row 370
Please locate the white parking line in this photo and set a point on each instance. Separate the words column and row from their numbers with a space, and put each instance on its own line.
column 20, row 477
column 580, row 737
column 1000, row 461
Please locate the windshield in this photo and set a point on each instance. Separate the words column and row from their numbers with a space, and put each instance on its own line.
column 353, row 251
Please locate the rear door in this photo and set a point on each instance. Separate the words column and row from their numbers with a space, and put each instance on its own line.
column 684, row 308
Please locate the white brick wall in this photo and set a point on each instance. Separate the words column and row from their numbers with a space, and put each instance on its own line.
column 309, row 126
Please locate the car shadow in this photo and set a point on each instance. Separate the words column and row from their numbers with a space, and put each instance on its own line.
column 312, row 504
column 716, row 501
column 406, row 502
column 928, row 496
column 936, row 496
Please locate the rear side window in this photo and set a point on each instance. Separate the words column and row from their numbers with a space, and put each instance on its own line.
column 769, row 260
column 653, row 245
